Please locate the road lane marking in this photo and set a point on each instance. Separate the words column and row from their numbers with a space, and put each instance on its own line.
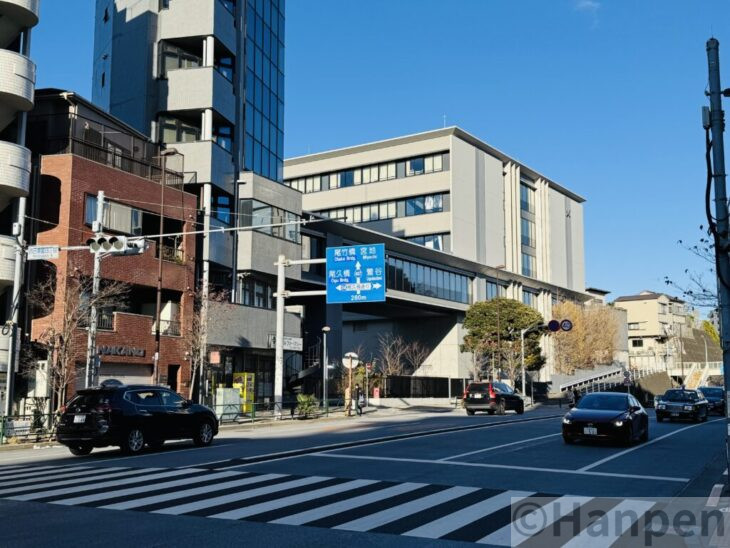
column 545, row 516
column 104, row 484
column 92, row 476
column 291, row 500
column 284, row 455
column 163, row 452
column 613, row 525
column 234, row 497
column 389, row 515
column 715, row 494
column 499, row 447
column 343, row 506
column 461, row 518
column 156, row 499
column 39, row 473
column 507, row 467
column 645, row 444
column 31, row 478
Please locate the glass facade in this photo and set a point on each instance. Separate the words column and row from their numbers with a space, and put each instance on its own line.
column 527, row 197
column 529, row 298
column 416, row 205
column 412, row 277
column 375, row 173
column 527, row 229
column 495, row 290
column 255, row 292
column 441, row 242
column 528, row 265
column 264, row 94
column 255, row 213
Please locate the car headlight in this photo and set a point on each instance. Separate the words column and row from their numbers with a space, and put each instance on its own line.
column 689, row 407
column 661, row 406
column 567, row 420
column 619, row 423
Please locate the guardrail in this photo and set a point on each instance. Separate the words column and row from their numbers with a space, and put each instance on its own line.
column 290, row 410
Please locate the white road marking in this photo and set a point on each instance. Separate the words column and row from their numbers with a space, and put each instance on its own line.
column 389, row 515
column 337, row 507
column 104, row 484
column 645, row 444
column 513, row 535
column 465, row 516
column 143, row 489
column 92, row 476
column 32, row 478
column 507, row 467
column 173, row 452
column 239, row 513
column 136, row 503
column 499, row 447
column 611, row 526
column 25, row 473
column 715, row 494
column 234, row 497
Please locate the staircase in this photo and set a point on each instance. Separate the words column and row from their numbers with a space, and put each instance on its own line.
column 695, row 377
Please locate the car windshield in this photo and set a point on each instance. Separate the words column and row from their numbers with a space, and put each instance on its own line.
column 713, row 392
column 479, row 388
column 502, row 388
column 90, row 399
column 603, row 401
column 680, row 395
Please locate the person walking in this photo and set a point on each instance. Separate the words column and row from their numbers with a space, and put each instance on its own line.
column 358, row 399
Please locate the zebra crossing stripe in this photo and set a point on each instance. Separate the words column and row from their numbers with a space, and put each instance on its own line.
column 240, row 513
column 104, row 484
column 143, row 489
column 156, row 499
column 40, row 473
column 337, row 507
column 545, row 516
column 457, row 520
column 235, row 497
column 90, row 478
column 389, row 515
column 58, row 476
column 612, row 529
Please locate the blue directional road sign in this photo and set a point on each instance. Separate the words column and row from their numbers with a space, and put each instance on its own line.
column 356, row 274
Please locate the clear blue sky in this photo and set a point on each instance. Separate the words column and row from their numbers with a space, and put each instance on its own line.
column 602, row 96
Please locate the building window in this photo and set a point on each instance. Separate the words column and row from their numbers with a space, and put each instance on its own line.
column 255, row 213
column 221, row 205
column 255, row 292
column 412, row 277
column 117, row 217
column 527, row 198
column 637, row 343
column 529, row 298
column 495, row 290
column 106, row 15
column 409, row 207
column 528, row 265
column 173, row 130
column 528, row 232
column 634, row 326
column 103, row 79
column 440, row 242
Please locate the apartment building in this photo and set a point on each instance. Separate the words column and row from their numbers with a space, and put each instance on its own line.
column 449, row 191
column 81, row 150
column 17, row 87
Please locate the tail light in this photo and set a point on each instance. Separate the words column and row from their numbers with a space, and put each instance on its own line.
column 466, row 394
column 103, row 408
column 492, row 394
column 62, row 409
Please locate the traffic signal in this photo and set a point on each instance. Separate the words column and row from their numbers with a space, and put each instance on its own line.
column 118, row 245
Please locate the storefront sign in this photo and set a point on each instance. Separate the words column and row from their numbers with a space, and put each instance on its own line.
column 121, row 351
column 293, row 344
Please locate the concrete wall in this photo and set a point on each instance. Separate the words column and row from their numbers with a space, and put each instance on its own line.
column 245, row 326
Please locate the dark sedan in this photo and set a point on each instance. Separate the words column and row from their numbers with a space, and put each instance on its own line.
column 608, row 416
column 492, row 397
column 715, row 396
column 681, row 403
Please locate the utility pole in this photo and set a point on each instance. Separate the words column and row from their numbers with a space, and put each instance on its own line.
column 91, row 357
column 717, row 126
column 325, row 370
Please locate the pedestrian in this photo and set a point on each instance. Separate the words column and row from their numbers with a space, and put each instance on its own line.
column 359, row 399
column 576, row 396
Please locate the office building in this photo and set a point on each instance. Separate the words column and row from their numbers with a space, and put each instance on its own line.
column 17, row 87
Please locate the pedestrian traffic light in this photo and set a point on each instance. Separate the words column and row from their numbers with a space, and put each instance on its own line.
column 118, row 245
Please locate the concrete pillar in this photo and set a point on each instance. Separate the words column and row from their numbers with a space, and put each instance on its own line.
column 209, row 51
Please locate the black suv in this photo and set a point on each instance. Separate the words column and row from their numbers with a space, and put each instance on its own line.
column 680, row 403
column 492, row 397
column 131, row 417
column 715, row 396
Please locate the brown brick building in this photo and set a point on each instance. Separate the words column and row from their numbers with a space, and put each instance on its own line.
column 81, row 150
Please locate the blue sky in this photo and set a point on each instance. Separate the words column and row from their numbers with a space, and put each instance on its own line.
column 602, row 96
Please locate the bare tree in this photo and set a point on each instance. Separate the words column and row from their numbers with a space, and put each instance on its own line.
column 392, row 351
column 63, row 314
column 699, row 288
column 415, row 354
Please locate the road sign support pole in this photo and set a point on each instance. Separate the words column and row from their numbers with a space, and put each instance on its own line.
column 522, row 360
column 717, row 125
column 91, row 357
column 279, row 352
column 325, row 372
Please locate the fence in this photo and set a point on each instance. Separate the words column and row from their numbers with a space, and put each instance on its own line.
column 27, row 428
column 267, row 411
column 423, row 387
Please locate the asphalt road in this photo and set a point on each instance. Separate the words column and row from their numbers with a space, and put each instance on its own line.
column 411, row 480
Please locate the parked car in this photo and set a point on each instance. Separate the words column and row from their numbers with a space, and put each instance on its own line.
column 612, row 416
column 680, row 403
column 131, row 417
column 715, row 396
column 492, row 397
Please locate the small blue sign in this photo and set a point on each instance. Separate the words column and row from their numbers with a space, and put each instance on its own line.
column 356, row 274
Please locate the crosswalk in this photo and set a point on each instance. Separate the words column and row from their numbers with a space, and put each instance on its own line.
column 412, row 509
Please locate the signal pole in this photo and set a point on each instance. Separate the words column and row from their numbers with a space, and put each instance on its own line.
column 717, row 127
column 91, row 357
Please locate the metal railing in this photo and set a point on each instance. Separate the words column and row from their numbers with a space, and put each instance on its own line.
column 33, row 428
column 169, row 328
column 105, row 320
column 171, row 254
column 267, row 411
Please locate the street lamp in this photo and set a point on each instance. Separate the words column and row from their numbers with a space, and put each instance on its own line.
column 499, row 268
column 523, row 332
column 325, row 371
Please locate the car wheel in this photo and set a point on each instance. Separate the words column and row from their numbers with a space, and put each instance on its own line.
column 629, row 437
column 81, row 449
column 568, row 441
column 645, row 433
column 659, row 418
column 704, row 415
column 203, row 434
column 155, row 445
column 470, row 412
column 500, row 408
column 521, row 409
column 490, row 411
column 133, row 442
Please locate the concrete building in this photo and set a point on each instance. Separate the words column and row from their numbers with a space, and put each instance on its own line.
column 17, row 87
column 451, row 192
column 80, row 150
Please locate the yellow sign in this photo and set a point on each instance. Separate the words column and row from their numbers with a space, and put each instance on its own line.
column 245, row 384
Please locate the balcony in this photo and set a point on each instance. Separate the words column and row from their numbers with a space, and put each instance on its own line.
column 15, row 16
column 14, row 171
column 17, row 85
column 192, row 18
column 168, row 328
column 7, row 261
column 200, row 88
column 210, row 162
